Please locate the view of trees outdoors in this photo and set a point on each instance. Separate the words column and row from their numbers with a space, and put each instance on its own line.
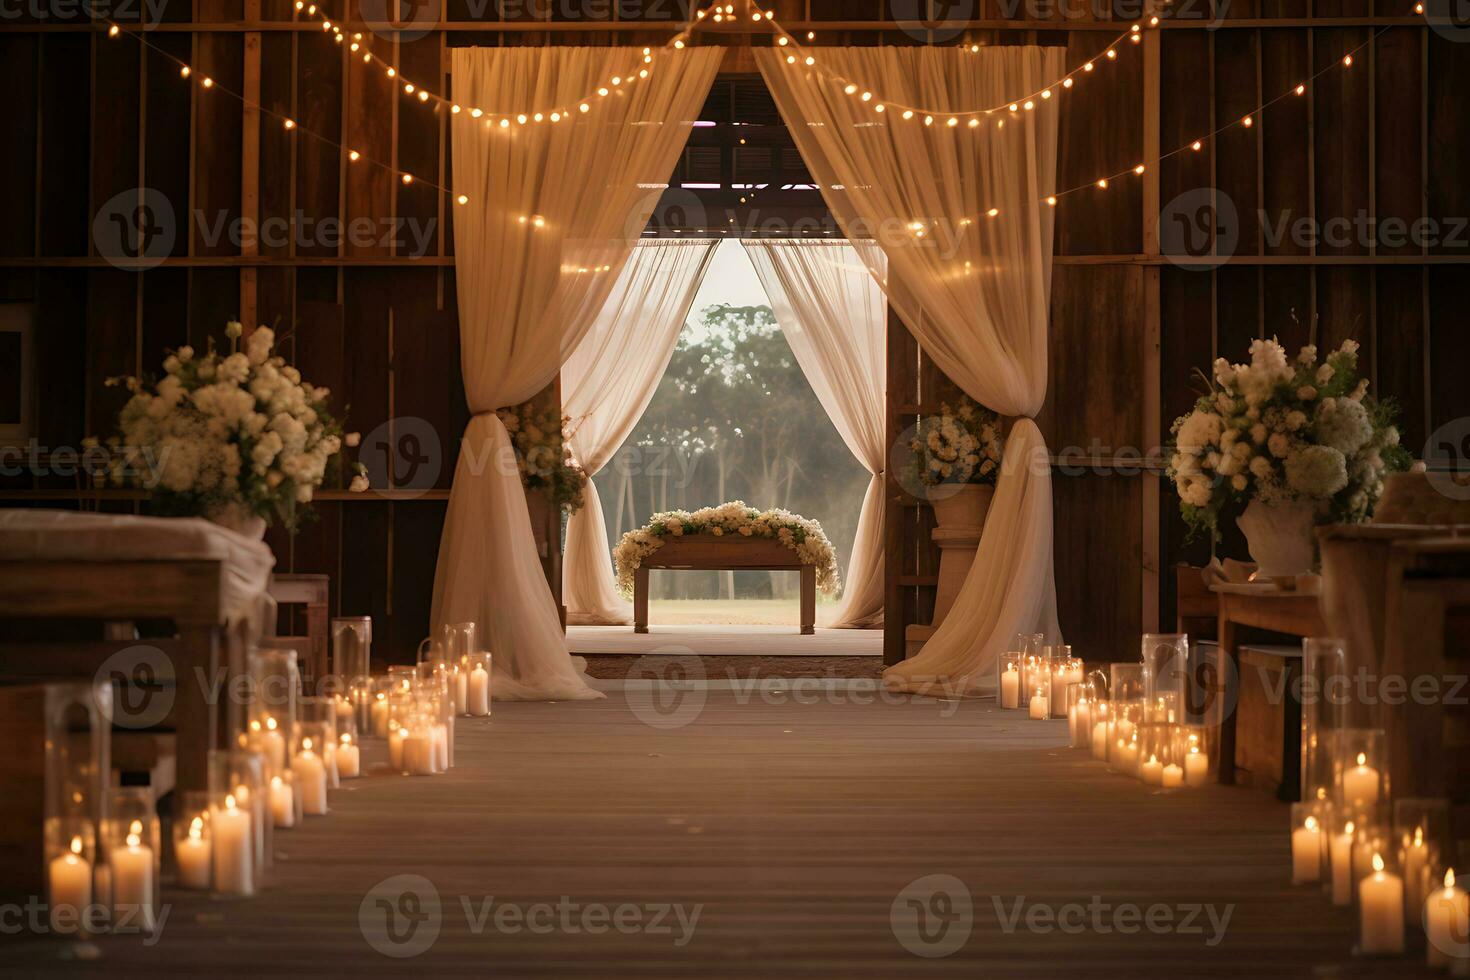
column 733, row 419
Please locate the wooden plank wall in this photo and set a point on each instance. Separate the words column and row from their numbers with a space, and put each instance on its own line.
column 375, row 319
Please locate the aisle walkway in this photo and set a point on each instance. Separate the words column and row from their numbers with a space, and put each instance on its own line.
column 764, row 836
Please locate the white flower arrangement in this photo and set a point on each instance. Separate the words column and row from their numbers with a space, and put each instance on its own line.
column 800, row 534
column 228, row 436
column 1280, row 431
column 961, row 444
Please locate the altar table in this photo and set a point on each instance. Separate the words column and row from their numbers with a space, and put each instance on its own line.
column 725, row 553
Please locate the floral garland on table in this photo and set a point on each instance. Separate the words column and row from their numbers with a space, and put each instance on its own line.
column 543, row 456
column 227, row 436
column 1284, row 432
column 801, row 535
column 958, row 445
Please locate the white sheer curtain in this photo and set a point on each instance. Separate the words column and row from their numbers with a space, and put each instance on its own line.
column 605, row 386
column 555, row 209
column 833, row 314
column 972, row 287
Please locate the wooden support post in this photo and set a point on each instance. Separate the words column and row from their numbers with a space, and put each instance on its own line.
column 250, row 169
column 1151, row 586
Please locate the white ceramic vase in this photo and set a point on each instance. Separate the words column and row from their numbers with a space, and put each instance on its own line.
column 964, row 506
column 234, row 517
column 1280, row 537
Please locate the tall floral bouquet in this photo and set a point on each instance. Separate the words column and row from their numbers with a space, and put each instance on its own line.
column 800, row 534
column 959, row 445
column 1279, row 431
column 229, row 437
column 543, row 456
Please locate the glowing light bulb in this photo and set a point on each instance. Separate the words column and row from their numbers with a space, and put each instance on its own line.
column 974, row 121
column 407, row 178
column 1102, row 183
column 908, row 113
column 1051, row 201
column 184, row 72
column 1066, row 83
column 208, row 82
column 1112, row 55
column 1196, row 145
column 1347, row 61
column 992, row 212
column 1247, row 122
column 289, row 123
column 928, row 120
column 1138, row 169
column 584, row 107
column 114, row 31
column 951, row 121
column 810, row 60
column 462, row 199
column 849, row 89
column 1300, row 89
column 353, row 155
column 408, row 88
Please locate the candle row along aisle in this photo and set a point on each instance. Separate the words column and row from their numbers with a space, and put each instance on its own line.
column 1391, row 860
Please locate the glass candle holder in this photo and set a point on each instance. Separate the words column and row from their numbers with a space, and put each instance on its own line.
column 285, row 802
column 1422, row 834
column 1102, row 727
column 477, row 703
column 1309, row 835
column 71, row 872
column 133, row 858
column 1370, row 837
column 458, row 640
column 348, row 754
column 232, row 846
column 1165, row 664
column 193, row 840
column 1060, row 670
column 1125, row 682
column 275, row 687
column 1161, row 762
column 1038, row 690
column 1381, row 907
column 78, row 767
column 1360, row 768
column 352, row 648
column 322, row 714
column 1124, row 747
column 416, row 749
column 310, row 766
column 1323, row 696
column 1008, row 680
column 1192, row 751
column 1080, row 698
column 1446, row 916
column 243, row 773
column 379, row 712
column 435, row 692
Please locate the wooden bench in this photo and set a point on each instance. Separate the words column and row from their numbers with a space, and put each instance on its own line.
column 722, row 553
column 310, row 592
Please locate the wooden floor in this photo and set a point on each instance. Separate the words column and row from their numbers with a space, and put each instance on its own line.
column 795, row 826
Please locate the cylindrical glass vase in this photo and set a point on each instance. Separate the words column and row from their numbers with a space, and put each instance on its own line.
column 134, row 853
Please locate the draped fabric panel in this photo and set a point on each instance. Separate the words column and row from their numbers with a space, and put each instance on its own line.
column 972, row 287
column 555, row 210
column 833, row 314
column 606, row 385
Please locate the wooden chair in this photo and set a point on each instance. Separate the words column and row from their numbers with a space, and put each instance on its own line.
column 311, row 592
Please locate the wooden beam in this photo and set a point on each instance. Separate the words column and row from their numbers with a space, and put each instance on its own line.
column 250, row 169
column 1152, row 336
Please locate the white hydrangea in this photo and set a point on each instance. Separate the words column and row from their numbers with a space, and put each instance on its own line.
column 1316, row 472
column 1343, row 424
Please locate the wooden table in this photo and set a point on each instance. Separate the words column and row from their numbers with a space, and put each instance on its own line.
column 1292, row 613
column 736, row 553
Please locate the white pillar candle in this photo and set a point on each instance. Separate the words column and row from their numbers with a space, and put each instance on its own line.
column 1306, row 852
column 349, row 758
column 1173, row 776
column 1038, row 706
column 329, row 759
column 1152, row 771
column 1446, row 923
column 132, row 881
column 232, row 850
column 1381, row 911
column 1196, row 767
column 395, row 748
column 1010, row 687
column 1100, row 740
column 461, row 690
column 418, row 754
column 192, row 854
column 1127, row 757
column 1074, row 672
column 310, row 771
column 1124, row 729
column 283, row 803
column 71, row 888
column 380, row 717
column 1360, row 783
column 479, row 692
column 1340, row 859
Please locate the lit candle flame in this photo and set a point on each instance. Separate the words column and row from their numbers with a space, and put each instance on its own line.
column 270, row 723
column 230, row 801
column 1349, row 828
column 1378, row 863
column 346, row 739
column 196, row 828
column 1311, row 823
column 1449, row 879
column 76, row 845
column 306, row 745
column 1362, row 758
